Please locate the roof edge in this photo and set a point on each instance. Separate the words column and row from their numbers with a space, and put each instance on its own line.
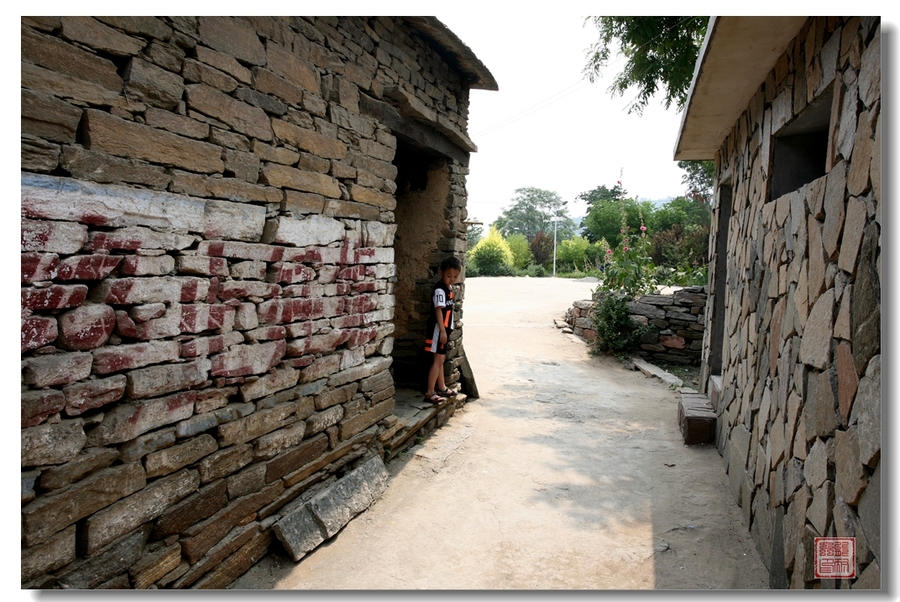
column 698, row 68
column 737, row 55
column 461, row 57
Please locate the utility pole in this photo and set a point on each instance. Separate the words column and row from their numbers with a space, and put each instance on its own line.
column 555, row 221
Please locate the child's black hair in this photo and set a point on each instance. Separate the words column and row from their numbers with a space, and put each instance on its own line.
column 451, row 263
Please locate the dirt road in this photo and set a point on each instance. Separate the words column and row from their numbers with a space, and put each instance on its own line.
column 568, row 473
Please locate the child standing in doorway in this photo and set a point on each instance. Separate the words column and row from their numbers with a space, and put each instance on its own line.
column 440, row 325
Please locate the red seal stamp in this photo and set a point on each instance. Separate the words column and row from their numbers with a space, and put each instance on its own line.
column 835, row 557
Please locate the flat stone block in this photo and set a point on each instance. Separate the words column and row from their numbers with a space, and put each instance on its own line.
column 336, row 506
column 299, row 532
column 696, row 419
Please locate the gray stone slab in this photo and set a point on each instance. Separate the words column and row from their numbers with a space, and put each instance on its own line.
column 112, row 560
column 118, row 206
column 299, row 532
column 867, row 413
column 777, row 573
column 819, row 512
column 870, row 512
column 651, row 370
column 355, row 492
column 870, row 578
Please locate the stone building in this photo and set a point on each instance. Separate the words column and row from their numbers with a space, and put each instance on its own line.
column 790, row 110
column 228, row 228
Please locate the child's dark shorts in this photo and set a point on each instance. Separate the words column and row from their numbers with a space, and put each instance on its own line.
column 433, row 342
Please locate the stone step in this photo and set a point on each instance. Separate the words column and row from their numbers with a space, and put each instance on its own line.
column 412, row 413
column 696, row 418
column 715, row 390
column 650, row 370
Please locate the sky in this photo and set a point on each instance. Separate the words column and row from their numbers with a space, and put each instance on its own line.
column 548, row 127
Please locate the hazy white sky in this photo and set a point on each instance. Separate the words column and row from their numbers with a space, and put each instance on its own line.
column 548, row 127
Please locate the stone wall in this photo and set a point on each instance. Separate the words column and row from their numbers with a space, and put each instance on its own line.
column 800, row 396
column 208, row 243
column 677, row 323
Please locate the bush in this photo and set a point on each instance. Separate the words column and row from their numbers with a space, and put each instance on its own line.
column 542, row 249
column 518, row 244
column 684, row 275
column 533, row 270
column 681, row 245
column 492, row 255
column 571, row 253
column 616, row 331
column 595, row 255
column 629, row 267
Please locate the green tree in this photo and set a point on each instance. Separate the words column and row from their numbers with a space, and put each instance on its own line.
column 474, row 232
column 602, row 194
column 679, row 211
column 533, row 211
column 660, row 53
column 521, row 251
column 680, row 235
column 571, row 253
column 700, row 179
column 595, row 255
column 542, row 249
column 599, row 197
column 577, row 253
column 492, row 255
column 604, row 220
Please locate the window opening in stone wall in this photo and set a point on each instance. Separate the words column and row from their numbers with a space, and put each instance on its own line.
column 423, row 183
column 800, row 148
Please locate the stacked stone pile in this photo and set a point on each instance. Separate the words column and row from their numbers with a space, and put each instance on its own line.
column 800, row 407
column 677, row 323
column 207, row 281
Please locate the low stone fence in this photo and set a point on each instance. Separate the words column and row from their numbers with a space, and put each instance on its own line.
column 677, row 320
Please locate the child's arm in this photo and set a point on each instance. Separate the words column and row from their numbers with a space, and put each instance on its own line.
column 439, row 313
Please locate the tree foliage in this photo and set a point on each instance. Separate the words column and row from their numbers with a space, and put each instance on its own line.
column 602, row 194
column 681, row 247
column 474, row 232
column 577, row 253
column 679, row 211
column 533, row 211
column 678, row 230
column 492, row 255
column 542, row 249
column 521, row 251
column 604, row 220
column 659, row 52
column 700, row 178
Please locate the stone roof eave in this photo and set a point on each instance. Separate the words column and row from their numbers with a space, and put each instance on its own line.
column 737, row 55
column 454, row 50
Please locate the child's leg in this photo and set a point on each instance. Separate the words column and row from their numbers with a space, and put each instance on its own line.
column 436, row 373
column 439, row 383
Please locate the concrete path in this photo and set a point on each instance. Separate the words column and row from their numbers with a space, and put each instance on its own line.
column 568, row 473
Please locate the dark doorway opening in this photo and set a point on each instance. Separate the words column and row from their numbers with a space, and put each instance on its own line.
column 711, row 382
column 423, row 185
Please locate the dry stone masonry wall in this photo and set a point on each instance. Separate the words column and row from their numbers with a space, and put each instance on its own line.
column 677, row 322
column 800, row 401
column 208, row 237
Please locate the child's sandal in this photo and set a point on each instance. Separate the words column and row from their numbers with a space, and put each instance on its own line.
column 434, row 398
column 445, row 392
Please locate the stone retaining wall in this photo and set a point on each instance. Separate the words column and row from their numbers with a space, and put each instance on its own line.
column 800, row 401
column 677, row 323
column 208, row 267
